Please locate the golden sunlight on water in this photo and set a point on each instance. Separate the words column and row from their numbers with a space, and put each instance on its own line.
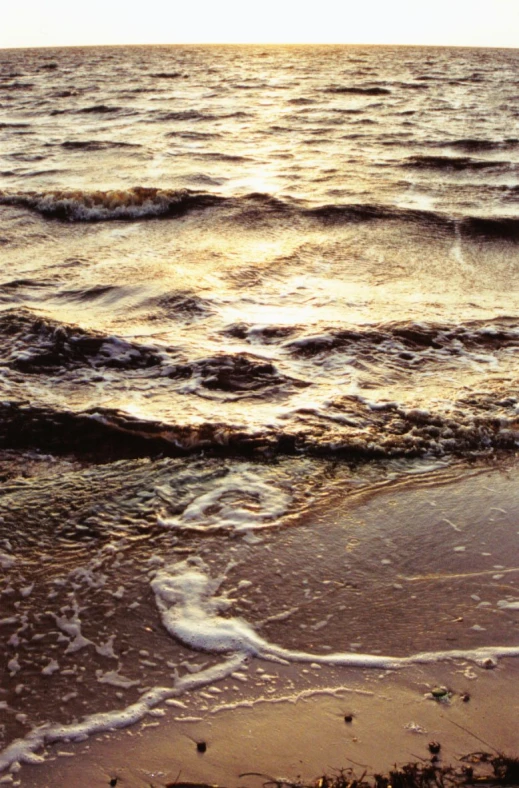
column 258, row 362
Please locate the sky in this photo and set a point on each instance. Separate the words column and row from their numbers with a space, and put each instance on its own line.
column 492, row 23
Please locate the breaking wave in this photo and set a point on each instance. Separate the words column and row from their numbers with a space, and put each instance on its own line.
column 354, row 426
column 350, row 428
column 416, row 337
column 33, row 344
column 141, row 202
column 95, row 206
column 240, row 374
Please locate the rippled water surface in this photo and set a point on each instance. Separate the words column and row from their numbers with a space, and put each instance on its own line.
column 238, row 285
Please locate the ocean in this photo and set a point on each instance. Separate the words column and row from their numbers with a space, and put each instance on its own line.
column 258, row 314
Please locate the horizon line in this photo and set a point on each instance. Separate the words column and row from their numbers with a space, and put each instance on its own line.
column 259, row 44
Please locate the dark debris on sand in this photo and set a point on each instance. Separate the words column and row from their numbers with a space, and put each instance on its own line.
column 478, row 768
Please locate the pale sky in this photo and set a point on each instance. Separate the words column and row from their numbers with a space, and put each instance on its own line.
column 493, row 23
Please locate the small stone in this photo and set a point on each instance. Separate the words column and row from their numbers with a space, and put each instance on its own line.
column 465, row 697
column 348, row 718
column 440, row 692
column 434, row 747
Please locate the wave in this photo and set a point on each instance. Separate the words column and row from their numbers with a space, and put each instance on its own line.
column 365, row 212
column 472, row 144
column 16, row 85
column 454, row 163
column 22, row 290
column 221, row 157
column 416, row 337
column 112, row 292
column 467, row 144
column 37, row 345
column 64, row 93
column 179, row 305
column 239, row 374
column 168, row 75
column 93, row 145
column 254, row 86
column 34, row 344
column 496, row 227
column 148, row 203
column 97, row 109
column 14, row 284
column 186, row 114
column 367, row 91
column 412, row 85
column 265, row 334
column 125, row 204
column 194, row 135
column 301, row 101
column 505, row 227
column 28, row 157
column 351, row 428
column 15, row 125
column 196, row 115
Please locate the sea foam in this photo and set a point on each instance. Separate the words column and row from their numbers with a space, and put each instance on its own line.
column 190, row 608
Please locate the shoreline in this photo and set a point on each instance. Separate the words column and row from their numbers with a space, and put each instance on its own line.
column 289, row 720
column 371, row 726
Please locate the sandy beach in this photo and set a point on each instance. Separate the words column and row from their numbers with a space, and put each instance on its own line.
column 296, row 724
column 304, row 738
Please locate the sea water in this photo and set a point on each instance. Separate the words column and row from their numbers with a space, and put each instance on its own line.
column 240, row 288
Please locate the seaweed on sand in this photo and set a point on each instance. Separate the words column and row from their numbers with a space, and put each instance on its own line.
column 479, row 768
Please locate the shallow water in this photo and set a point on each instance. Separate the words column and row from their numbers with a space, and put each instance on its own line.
column 240, row 286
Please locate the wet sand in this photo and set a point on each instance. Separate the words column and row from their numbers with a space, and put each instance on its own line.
column 302, row 738
column 398, row 584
